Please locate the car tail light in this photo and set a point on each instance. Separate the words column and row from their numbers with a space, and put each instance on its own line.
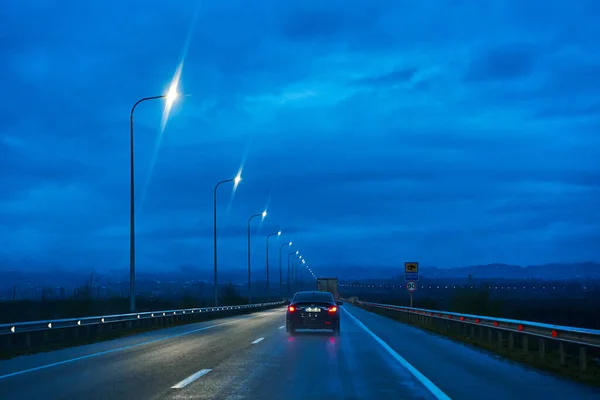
column 291, row 308
column 332, row 309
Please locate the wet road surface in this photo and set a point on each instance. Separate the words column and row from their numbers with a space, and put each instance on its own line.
column 251, row 357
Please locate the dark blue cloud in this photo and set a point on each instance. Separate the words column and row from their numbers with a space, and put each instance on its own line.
column 374, row 132
column 506, row 62
column 399, row 75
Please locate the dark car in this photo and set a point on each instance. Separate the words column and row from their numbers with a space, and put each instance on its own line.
column 313, row 310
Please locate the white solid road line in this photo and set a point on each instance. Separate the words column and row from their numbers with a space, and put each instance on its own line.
column 282, row 326
column 191, row 379
column 258, row 340
column 436, row 391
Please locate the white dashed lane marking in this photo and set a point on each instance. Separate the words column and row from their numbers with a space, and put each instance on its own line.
column 191, row 379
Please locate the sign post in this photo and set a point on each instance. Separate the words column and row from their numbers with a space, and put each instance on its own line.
column 411, row 275
column 411, row 287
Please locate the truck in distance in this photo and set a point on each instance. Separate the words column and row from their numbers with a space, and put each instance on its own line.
column 328, row 285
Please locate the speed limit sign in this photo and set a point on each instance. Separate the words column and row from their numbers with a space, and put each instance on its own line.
column 411, row 286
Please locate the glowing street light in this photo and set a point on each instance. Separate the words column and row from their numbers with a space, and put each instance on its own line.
column 281, row 269
column 170, row 97
column 235, row 181
column 263, row 215
column 278, row 233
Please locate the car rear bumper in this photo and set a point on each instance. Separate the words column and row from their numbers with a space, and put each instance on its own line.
column 314, row 325
column 306, row 322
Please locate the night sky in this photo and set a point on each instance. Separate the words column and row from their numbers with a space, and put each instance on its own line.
column 374, row 132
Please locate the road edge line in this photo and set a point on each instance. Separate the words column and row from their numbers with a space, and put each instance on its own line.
column 432, row 387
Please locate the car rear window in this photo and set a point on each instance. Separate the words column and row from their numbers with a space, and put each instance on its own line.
column 313, row 296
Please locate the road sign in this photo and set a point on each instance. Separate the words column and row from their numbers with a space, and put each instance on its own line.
column 411, row 286
column 411, row 277
column 411, row 267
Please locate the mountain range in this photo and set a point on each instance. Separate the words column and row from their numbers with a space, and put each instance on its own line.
column 67, row 278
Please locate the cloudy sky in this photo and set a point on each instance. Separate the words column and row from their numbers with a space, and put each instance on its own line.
column 375, row 132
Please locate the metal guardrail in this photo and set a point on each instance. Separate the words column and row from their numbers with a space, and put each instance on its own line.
column 583, row 336
column 53, row 324
column 558, row 334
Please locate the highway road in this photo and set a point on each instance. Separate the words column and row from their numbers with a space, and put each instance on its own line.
column 251, row 357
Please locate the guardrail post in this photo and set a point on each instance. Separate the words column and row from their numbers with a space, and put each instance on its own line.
column 490, row 335
column 27, row 340
column 582, row 359
column 561, row 353
column 525, row 343
column 499, row 339
column 542, row 348
column 511, row 341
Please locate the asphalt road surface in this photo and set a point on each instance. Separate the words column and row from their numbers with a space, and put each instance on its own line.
column 251, row 357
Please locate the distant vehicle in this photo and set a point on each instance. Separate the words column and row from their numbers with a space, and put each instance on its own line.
column 328, row 285
column 313, row 310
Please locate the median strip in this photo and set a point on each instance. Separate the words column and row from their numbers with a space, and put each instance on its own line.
column 191, row 379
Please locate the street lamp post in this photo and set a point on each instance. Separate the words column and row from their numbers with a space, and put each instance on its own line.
column 263, row 214
column 299, row 270
column 170, row 96
column 295, row 268
column 278, row 233
column 281, row 269
column 295, row 272
column 236, row 181
column 288, row 274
